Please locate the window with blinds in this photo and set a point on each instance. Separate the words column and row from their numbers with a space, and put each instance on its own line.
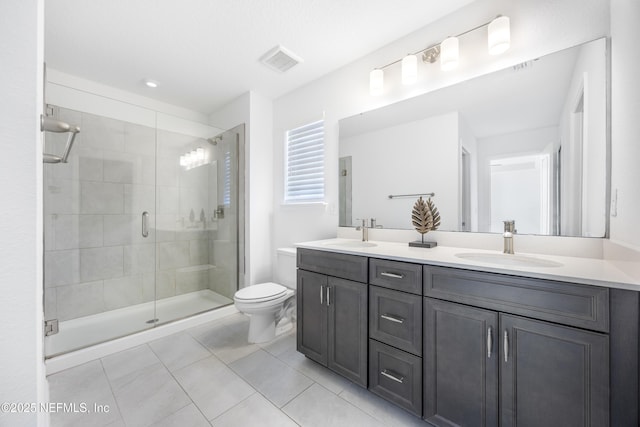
column 304, row 174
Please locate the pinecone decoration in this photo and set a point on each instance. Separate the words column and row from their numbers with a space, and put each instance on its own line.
column 434, row 214
column 421, row 217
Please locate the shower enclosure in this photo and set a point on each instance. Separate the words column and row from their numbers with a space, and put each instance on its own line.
column 141, row 227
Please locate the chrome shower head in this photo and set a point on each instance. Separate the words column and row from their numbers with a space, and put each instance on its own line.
column 214, row 140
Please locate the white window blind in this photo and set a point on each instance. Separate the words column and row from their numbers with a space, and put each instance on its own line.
column 304, row 177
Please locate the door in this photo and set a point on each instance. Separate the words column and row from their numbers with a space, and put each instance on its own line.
column 552, row 375
column 312, row 316
column 460, row 365
column 347, row 304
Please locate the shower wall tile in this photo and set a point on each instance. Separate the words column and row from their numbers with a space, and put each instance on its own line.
column 61, row 197
column 139, row 258
column 101, row 263
column 48, row 230
column 199, row 252
column 101, row 198
column 62, row 267
column 103, row 133
column 166, row 226
column 139, row 198
column 79, row 300
column 148, row 286
column 192, row 234
column 173, row 255
column 168, row 198
column 165, row 284
column 77, row 231
column 90, row 166
column 50, row 303
column 139, row 139
column 190, row 280
column 120, row 167
column 122, row 292
column 168, row 168
column 125, row 230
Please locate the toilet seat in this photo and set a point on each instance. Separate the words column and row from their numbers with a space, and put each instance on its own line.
column 260, row 293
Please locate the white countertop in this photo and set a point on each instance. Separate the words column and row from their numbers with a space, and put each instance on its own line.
column 587, row 271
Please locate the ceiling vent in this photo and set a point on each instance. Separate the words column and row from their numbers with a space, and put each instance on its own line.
column 280, row 59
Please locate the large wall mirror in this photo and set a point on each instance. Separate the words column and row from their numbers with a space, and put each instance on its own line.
column 527, row 143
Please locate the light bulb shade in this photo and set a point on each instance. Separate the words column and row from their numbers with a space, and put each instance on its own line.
column 449, row 52
column 499, row 38
column 409, row 69
column 376, row 82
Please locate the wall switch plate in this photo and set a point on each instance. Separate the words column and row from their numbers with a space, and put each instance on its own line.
column 614, row 203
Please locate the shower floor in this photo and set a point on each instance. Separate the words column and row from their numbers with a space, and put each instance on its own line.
column 85, row 331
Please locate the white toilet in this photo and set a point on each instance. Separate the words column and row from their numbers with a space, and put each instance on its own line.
column 271, row 306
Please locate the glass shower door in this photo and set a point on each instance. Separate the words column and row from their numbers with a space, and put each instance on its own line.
column 99, row 268
column 197, row 220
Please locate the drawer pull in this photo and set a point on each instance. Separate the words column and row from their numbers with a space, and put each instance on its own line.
column 506, row 346
column 392, row 275
column 392, row 318
column 389, row 375
column 489, row 341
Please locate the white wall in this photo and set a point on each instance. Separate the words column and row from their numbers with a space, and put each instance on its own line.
column 532, row 141
column 625, row 126
column 256, row 112
column 21, row 358
column 379, row 171
column 538, row 27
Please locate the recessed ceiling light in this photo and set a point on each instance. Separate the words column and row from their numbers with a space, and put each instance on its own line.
column 151, row 83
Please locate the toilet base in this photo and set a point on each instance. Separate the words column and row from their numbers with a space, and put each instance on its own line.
column 263, row 328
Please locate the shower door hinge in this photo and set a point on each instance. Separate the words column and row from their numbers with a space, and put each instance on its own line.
column 50, row 327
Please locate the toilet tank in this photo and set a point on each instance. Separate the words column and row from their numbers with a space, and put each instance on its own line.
column 286, row 267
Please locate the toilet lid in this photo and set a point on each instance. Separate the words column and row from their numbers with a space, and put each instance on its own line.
column 261, row 292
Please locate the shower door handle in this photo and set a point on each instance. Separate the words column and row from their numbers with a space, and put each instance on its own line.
column 145, row 224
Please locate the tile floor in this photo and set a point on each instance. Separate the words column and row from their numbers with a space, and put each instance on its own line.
column 211, row 376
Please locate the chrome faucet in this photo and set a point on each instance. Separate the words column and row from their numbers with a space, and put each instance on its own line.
column 364, row 228
column 509, row 231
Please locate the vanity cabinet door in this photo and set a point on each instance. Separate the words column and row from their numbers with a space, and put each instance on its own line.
column 460, row 365
column 312, row 316
column 552, row 375
column 347, row 332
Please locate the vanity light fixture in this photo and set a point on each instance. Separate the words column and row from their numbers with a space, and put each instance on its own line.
column 498, row 39
column 449, row 52
column 409, row 69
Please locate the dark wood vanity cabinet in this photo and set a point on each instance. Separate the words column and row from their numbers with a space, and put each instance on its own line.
column 468, row 348
column 395, row 332
column 332, row 312
column 488, row 367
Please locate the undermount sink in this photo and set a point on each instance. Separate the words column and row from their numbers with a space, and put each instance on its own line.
column 352, row 244
column 509, row 260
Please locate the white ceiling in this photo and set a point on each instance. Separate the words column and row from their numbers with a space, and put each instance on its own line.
column 205, row 53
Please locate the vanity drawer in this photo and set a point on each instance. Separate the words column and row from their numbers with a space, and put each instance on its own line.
column 396, row 376
column 401, row 276
column 570, row 304
column 395, row 318
column 344, row 266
